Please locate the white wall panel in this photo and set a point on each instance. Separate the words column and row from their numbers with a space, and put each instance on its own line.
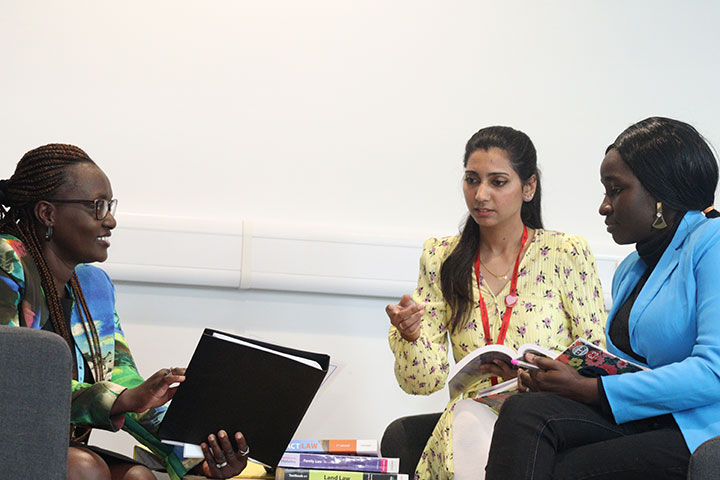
column 268, row 256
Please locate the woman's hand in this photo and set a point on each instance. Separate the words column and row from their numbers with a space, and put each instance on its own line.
column 559, row 378
column 406, row 316
column 153, row 392
column 221, row 461
column 498, row 368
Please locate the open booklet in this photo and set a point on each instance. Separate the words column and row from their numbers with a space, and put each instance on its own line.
column 590, row 361
column 466, row 372
column 243, row 385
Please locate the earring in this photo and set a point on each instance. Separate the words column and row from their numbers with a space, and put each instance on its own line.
column 527, row 198
column 659, row 222
column 48, row 233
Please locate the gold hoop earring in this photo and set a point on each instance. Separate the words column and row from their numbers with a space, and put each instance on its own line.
column 659, row 222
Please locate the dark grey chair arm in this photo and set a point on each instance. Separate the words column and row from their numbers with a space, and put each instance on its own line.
column 405, row 438
column 35, row 394
column 705, row 461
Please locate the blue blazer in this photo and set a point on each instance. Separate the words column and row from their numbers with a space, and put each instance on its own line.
column 675, row 325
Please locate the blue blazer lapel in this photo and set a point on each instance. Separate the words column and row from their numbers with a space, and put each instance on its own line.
column 668, row 262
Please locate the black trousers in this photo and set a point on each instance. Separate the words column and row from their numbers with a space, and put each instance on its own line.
column 541, row 436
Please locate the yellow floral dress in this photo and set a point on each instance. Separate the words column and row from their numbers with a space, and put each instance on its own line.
column 559, row 298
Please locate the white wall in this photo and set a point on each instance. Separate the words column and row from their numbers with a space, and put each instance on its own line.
column 347, row 115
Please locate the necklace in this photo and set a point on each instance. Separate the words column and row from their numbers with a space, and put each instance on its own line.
column 499, row 277
column 511, row 300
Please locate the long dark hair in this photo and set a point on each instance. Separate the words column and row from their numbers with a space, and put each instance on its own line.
column 674, row 163
column 456, row 271
column 38, row 175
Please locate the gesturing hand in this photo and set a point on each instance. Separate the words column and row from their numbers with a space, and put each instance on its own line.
column 405, row 316
column 221, row 461
column 559, row 378
column 153, row 392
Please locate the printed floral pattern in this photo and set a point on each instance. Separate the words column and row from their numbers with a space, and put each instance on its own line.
column 559, row 298
column 600, row 362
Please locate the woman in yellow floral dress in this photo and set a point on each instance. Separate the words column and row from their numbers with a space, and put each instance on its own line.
column 503, row 279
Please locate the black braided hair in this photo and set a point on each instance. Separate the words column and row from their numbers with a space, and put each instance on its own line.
column 39, row 174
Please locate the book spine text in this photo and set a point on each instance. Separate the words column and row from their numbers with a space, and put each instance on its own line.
column 343, row 447
column 308, row 474
column 339, row 462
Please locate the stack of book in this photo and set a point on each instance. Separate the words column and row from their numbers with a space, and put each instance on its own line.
column 336, row 460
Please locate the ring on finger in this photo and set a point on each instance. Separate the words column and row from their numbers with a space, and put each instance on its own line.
column 245, row 452
column 221, row 465
column 527, row 389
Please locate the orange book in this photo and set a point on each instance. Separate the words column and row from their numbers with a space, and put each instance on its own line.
column 345, row 447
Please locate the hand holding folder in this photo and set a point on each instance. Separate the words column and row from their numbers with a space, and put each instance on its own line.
column 241, row 385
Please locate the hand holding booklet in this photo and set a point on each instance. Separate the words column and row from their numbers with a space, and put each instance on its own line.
column 588, row 359
column 466, row 372
column 242, row 385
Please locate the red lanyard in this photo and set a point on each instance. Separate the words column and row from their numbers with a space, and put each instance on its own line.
column 510, row 300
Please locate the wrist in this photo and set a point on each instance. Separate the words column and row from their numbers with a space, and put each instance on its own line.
column 588, row 391
column 410, row 339
column 123, row 403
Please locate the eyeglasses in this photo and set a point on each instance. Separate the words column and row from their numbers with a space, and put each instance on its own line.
column 101, row 205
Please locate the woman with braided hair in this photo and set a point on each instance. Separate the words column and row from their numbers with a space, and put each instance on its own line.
column 56, row 215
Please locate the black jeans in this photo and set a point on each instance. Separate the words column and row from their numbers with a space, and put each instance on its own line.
column 541, row 436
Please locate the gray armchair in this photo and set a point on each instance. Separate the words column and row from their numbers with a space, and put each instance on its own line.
column 35, row 394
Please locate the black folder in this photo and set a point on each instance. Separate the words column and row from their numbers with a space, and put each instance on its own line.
column 243, row 388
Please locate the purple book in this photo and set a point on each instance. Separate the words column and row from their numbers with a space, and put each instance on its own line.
column 339, row 462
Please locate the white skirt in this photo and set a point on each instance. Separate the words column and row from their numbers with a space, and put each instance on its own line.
column 472, row 431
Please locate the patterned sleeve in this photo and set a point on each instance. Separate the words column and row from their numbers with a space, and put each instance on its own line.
column 124, row 370
column 125, row 373
column 92, row 403
column 421, row 367
column 583, row 298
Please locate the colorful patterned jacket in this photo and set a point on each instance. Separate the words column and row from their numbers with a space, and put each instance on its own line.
column 22, row 303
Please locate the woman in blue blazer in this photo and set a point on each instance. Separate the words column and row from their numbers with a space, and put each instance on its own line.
column 660, row 177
